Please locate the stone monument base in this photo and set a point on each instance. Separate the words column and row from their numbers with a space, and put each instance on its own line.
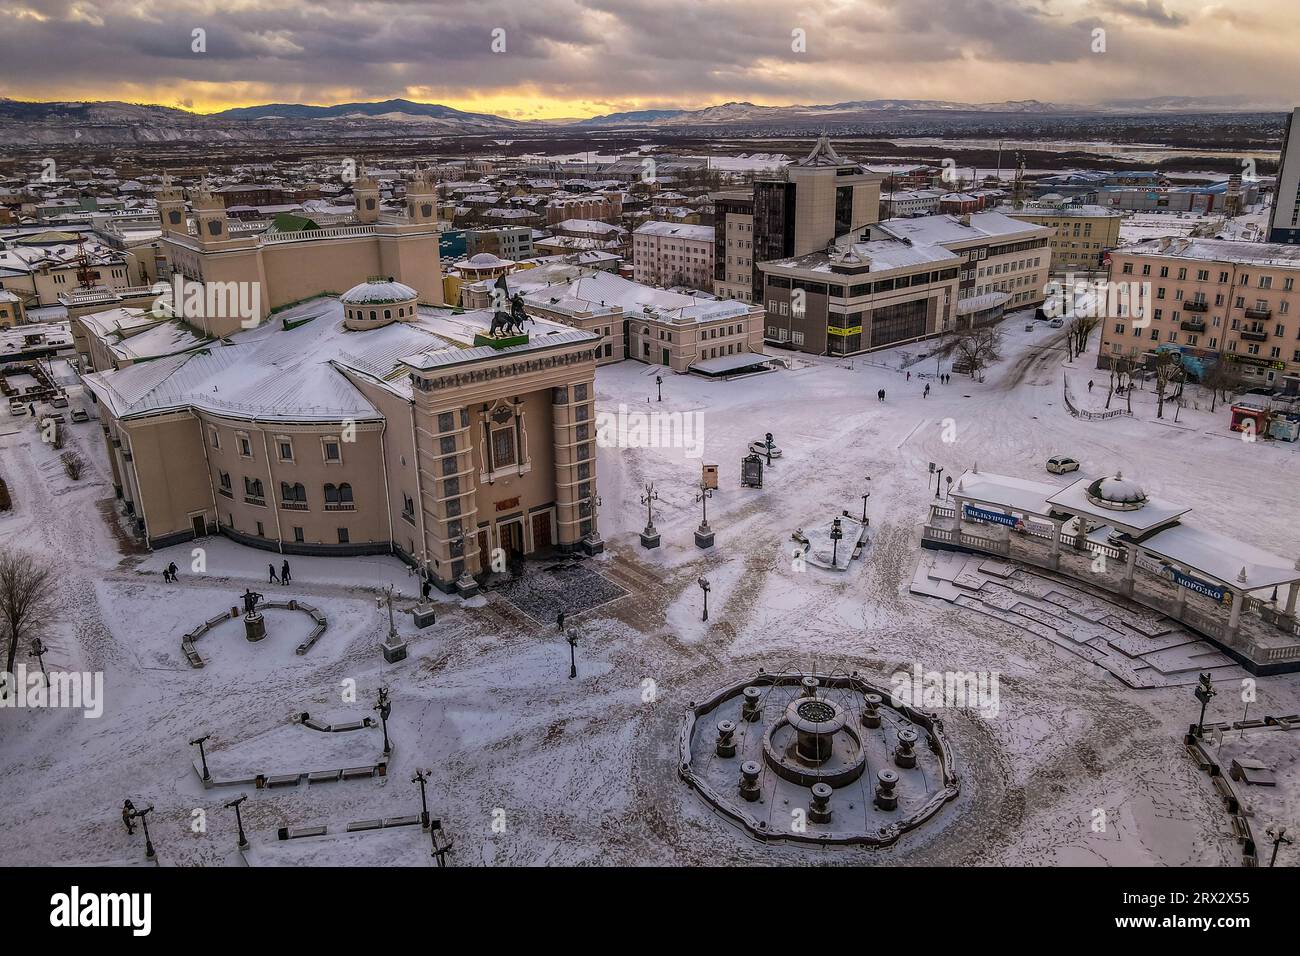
column 592, row 544
column 703, row 536
column 254, row 626
column 394, row 652
column 423, row 614
column 502, row 343
column 466, row 586
column 650, row 537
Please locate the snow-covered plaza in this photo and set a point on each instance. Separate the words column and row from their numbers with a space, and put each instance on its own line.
column 1074, row 765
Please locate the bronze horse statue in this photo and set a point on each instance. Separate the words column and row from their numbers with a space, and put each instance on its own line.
column 506, row 324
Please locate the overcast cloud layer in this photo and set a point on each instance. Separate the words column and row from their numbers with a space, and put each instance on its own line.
column 582, row 57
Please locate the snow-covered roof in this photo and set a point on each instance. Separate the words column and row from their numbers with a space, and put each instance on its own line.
column 604, row 291
column 378, row 291
column 1219, row 250
column 675, row 230
column 296, row 373
column 1155, row 512
column 1220, row 557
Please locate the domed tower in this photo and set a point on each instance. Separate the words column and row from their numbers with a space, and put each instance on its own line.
column 366, row 193
column 210, row 213
column 377, row 302
column 421, row 197
column 171, row 207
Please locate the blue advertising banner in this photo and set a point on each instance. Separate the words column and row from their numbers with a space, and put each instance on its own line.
column 993, row 517
column 1212, row 591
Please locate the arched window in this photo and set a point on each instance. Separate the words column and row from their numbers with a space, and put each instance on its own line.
column 388, row 313
column 331, row 495
column 373, row 316
column 294, row 492
column 345, row 493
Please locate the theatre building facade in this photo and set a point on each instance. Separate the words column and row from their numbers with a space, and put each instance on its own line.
column 335, row 433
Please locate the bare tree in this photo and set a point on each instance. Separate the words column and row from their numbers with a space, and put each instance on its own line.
column 1079, row 331
column 26, row 598
column 1122, row 368
column 1222, row 379
column 73, row 464
column 978, row 347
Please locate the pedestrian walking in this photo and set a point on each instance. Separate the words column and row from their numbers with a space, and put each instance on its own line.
column 926, row 393
column 426, row 588
column 172, row 569
column 909, row 376
column 559, row 622
column 128, row 809
column 882, row 394
column 285, row 577
column 167, row 576
column 272, row 579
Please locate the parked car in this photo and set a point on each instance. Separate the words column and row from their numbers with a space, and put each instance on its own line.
column 1059, row 464
column 1057, row 323
column 17, row 408
column 59, row 401
column 1029, row 326
column 79, row 415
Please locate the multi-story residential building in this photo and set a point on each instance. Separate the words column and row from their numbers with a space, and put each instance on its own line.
column 290, row 266
column 903, row 280
column 733, row 244
column 362, row 424
column 1284, row 224
column 673, row 254
column 1212, row 300
column 909, row 202
column 679, row 331
column 603, row 207
column 1081, row 234
column 44, row 266
column 810, row 203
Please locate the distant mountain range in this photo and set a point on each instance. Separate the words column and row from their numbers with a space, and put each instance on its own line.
column 114, row 123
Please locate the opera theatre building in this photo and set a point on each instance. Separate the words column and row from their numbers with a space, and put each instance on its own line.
column 360, row 423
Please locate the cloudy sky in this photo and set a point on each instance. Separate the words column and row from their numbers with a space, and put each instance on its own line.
column 584, row 57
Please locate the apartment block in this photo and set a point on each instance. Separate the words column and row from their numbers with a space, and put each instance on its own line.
column 673, row 254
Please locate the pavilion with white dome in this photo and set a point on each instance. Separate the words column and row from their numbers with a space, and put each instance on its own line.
column 1108, row 532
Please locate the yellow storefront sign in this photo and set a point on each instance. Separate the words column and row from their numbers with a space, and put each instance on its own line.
column 851, row 330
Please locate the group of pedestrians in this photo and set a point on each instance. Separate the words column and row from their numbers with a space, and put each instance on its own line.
column 169, row 573
column 284, row 577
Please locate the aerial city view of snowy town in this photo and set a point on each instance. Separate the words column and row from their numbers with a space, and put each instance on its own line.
column 473, row 436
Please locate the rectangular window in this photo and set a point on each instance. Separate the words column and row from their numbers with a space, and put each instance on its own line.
column 298, row 535
column 332, row 451
column 343, row 535
column 503, row 447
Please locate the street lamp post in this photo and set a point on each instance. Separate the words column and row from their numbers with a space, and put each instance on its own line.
column 659, row 383
column 572, row 638
column 385, row 707
column 649, row 537
column 768, row 441
column 704, row 534
column 864, row 503
column 947, row 487
column 837, row 533
column 937, row 482
column 421, row 777
column 239, row 819
column 1204, row 691
column 706, row 588
column 1279, row 837
column 143, row 817
column 203, row 756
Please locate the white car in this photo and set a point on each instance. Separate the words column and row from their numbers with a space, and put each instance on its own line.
column 1059, row 465
column 759, row 447
column 1056, row 324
